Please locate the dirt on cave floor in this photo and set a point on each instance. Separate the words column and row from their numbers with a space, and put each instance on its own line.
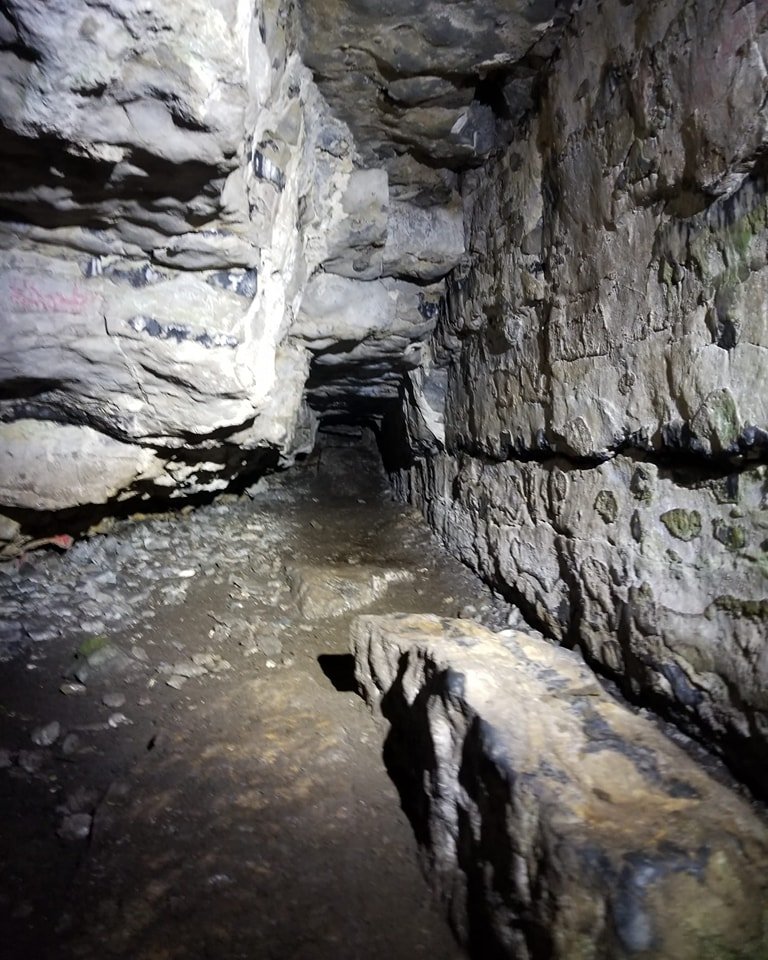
column 187, row 771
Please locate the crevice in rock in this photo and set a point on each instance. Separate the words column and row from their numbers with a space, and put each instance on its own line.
column 751, row 450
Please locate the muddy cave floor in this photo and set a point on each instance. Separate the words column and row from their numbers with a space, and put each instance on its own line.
column 214, row 786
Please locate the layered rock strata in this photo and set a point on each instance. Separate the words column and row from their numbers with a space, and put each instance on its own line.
column 554, row 821
column 591, row 431
column 188, row 236
column 431, row 80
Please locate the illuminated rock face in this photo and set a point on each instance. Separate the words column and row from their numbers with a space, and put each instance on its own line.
column 592, row 430
column 147, row 265
column 556, row 822
column 526, row 239
column 529, row 241
column 172, row 181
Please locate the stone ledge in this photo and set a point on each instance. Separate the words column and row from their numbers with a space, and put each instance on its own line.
column 555, row 822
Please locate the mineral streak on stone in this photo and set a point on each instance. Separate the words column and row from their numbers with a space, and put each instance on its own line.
column 555, row 822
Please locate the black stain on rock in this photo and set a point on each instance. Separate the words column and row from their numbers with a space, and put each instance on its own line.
column 174, row 331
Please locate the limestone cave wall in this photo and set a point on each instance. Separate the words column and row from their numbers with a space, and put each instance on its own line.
column 186, row 232
column 590, row 431
column 529, row 239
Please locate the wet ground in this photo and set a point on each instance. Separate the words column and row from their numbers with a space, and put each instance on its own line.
column 185, row 769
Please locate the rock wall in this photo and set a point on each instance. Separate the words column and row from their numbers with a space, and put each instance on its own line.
column 197, row 259
column 601, row 365
column 554, row 822
column 173, row 183
column 148, row 260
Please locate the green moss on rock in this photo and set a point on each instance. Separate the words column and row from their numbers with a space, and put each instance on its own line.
column 717, row 421
column 90, row 645
column 746, row 609
column 682, row 524
column 731, row 535
column 606, row 506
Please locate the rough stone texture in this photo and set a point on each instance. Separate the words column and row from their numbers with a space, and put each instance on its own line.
column 198, row 259
column 604, row 357
column 172, row 180
column 556, row 823
column 332, row 590
column 657, row 594
column 70, row 465
column 363, row 335
column 419, row 79
column 143, row 236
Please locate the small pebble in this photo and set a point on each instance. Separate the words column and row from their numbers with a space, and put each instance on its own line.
column 80, row 800
column 82, row 673
column 118, row 720
column 70, row 744
column 45, row 736
column 203, row 659
column 77, row 826
column 30, row 760
column 176, row 682
column 220, row 665
column 72, row 688
column 219, row 880
column 113, row 700
column 188, row 670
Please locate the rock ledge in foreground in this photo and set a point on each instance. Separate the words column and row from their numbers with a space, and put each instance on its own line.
column 555, row 822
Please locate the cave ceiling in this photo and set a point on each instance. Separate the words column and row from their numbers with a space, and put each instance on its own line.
column 434, row 81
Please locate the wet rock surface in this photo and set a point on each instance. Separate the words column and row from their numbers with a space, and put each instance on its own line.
column 590, row 433
column 556, row 822
column 208, row 790
column 423, row 80
column 181, row 208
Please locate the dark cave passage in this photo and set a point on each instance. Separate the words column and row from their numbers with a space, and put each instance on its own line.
column 384, row 480
column 210, row 748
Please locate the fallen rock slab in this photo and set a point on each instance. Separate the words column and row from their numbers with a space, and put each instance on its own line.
column 554, row 821
column 333, row 589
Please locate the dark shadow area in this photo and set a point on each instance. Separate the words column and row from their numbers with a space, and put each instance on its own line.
column 80, row 521
column 409, row 757
column 340, row 670
column 26, row 164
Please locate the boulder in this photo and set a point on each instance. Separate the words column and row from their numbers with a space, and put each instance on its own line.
column 334, row 589
column 556, row 822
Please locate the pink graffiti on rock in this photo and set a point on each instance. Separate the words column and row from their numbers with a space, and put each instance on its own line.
column 27, row 297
